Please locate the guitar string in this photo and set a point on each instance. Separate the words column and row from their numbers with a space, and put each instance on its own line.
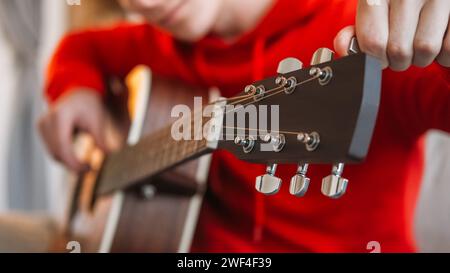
column 253, row 129
column 274, row 94
column 277, row 90
column 269, row 93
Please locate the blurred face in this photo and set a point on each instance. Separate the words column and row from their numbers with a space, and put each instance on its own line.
column 187, row 20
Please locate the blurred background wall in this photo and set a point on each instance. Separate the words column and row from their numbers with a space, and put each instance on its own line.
column 29, row 31
column 30, row 181
column 22, row 27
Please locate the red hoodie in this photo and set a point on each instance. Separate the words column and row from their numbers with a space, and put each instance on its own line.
column 380, row 202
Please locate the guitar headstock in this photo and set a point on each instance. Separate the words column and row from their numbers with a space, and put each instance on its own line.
column 323, row 114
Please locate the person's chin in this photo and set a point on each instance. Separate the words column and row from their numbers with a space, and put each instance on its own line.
column 189, row 35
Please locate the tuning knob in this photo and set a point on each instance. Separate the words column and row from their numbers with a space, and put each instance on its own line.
column 268, row 184
column 353, row 47
column 334, row 185
column 322, row 55
column 289, row 65
column 299, row 182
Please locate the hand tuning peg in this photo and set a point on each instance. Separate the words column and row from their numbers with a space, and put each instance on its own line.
column 268, row 184
column 289, row 65
column 322, row 55
column 334, row 185
column 299, row 182
column 353, row 47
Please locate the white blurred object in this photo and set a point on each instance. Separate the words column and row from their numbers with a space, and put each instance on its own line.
column 54, row 25
column 29, row 32
column 433, row 209
column 20, row 22
column 7, row 82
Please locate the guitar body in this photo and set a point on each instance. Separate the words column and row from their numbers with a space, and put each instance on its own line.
column 160, row 213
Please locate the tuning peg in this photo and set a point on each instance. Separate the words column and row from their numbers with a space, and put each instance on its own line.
column 334, row 185
column 268, row 184
column 299, row 182
column 353, row 47
column 247, row 144
column 289, row 65
column 311, row 140
column 278, row 141
column 322, row 55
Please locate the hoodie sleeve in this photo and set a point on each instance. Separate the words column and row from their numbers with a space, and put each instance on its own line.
column 419, row 99
column 86, row 59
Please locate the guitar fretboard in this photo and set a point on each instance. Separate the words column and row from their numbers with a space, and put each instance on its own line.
column 150, row 156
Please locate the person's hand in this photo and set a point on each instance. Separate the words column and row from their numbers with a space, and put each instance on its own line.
column 401, row 33
column 80, row 110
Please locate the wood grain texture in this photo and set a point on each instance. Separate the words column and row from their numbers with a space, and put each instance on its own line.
column 153, row 225
column 343, row 113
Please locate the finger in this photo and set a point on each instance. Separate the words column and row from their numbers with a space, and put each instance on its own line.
column 430, row 32
column 372, row 29
column 444, row 56
column 403, row 20
column 65, row 144
column 342, row 40
column 96, row 127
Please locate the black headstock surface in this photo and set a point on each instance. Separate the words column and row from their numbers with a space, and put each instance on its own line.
column 342, row 112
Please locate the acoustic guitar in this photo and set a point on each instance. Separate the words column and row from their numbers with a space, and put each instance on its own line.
column 147, row 196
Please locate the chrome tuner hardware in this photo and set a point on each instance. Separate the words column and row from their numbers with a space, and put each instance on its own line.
column 322, row 55
column 247, row 143
column 324, row 75
column 268, row 184
column 299, row 182
column 289, row 65
column 281, row 81
column 257, row 91
column 250, row 89
column 289, row 84
column 260, row 93
column 311, row 140
column 334, row 185
column 354, row 47
column 278, row 141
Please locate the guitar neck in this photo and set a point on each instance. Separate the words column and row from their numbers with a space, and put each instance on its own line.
column 152, row 155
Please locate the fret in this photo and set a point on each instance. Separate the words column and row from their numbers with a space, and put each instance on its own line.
column 184, row 149
column 165, row 153
column 171, row 152
column 148, row 157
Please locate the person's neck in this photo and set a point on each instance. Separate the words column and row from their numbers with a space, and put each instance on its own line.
column 235, row 19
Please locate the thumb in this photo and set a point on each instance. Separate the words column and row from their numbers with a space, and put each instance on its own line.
column 113, row 135
column 343, row 39
column 95, row 126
